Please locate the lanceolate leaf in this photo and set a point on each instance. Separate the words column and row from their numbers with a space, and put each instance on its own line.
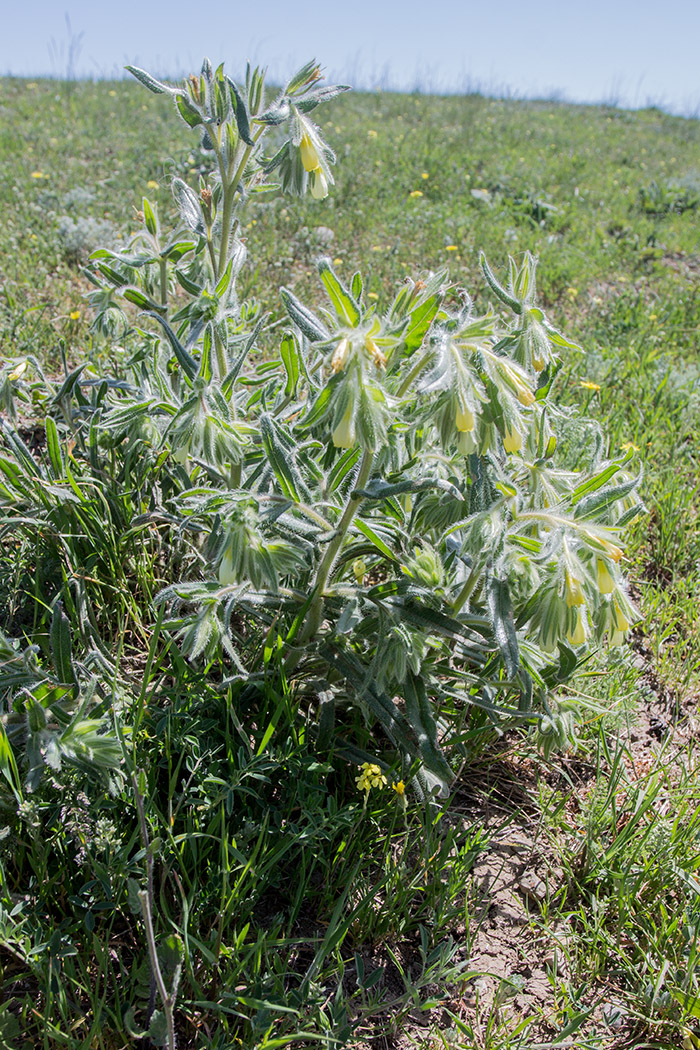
column 501, row 612
column 346, row 308
column 156, row 86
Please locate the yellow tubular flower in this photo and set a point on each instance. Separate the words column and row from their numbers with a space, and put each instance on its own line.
column 574, row 591
column 578, row 635
column 525, row 396
column 606, row 584
column 464, row 420
column 309, row 156
column 344, row 435
column 226, row 573
column 512, row 441
column 319, row 184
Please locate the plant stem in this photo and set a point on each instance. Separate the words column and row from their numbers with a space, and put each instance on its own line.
column 413, row 373
column 166, row 997
column 164, row 283
column 467, row 589
column 313, row 617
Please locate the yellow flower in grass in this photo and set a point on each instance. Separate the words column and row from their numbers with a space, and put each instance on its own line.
column 416, row 193
column 74, row 315
column 587, row 385
column 399, row 787
column 629, row 445
column 152, row 184
column 371, row 776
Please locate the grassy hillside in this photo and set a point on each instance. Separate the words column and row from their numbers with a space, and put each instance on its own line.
column 552, row 899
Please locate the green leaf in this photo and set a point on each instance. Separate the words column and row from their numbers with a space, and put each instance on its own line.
column 501, row 612
column 375, row 539
column 142, row 301
column 420, row 320
column 191, row 116
column 188, row 204
column 239, row 108
column 289, row 352
column 149, row 217
column 278, row 457
column 61, row 646
column 186, row 361
column 347, row 309
column 498, row 289
column 53, row 447
column 156, row 86
column 306, row 321
column 158, row 1028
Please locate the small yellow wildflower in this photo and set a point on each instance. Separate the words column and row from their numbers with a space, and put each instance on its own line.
column 38, row 175
column 17, row 371
column 113, row 94
column 606, row 584
column 309, row 156
column 425, row 175
column 372, row 295
column 512, row 441
column 152, row 184
column 572, row 293
column 574, row 591
column 451, row 248
column 399, row 787
column 337, row 262
column 75, row 315
column 627, row 445
column 371, row 134
column 370, row 777
column 588, row 385
column 416, row 193
column 577, row 636
column 652, row 317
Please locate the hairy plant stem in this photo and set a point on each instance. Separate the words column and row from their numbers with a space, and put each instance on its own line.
column 313, row 616
column 466, row 591
column 167, row 998
column 164, row 284
column 413, row 373
column 149, row 891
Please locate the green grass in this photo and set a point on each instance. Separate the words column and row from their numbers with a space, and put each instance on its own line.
column 304, row 917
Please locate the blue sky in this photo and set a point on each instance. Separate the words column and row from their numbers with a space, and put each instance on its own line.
column 621, row 51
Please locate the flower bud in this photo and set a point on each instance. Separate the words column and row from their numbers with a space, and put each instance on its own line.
column 341, row 355
column 375, row 353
